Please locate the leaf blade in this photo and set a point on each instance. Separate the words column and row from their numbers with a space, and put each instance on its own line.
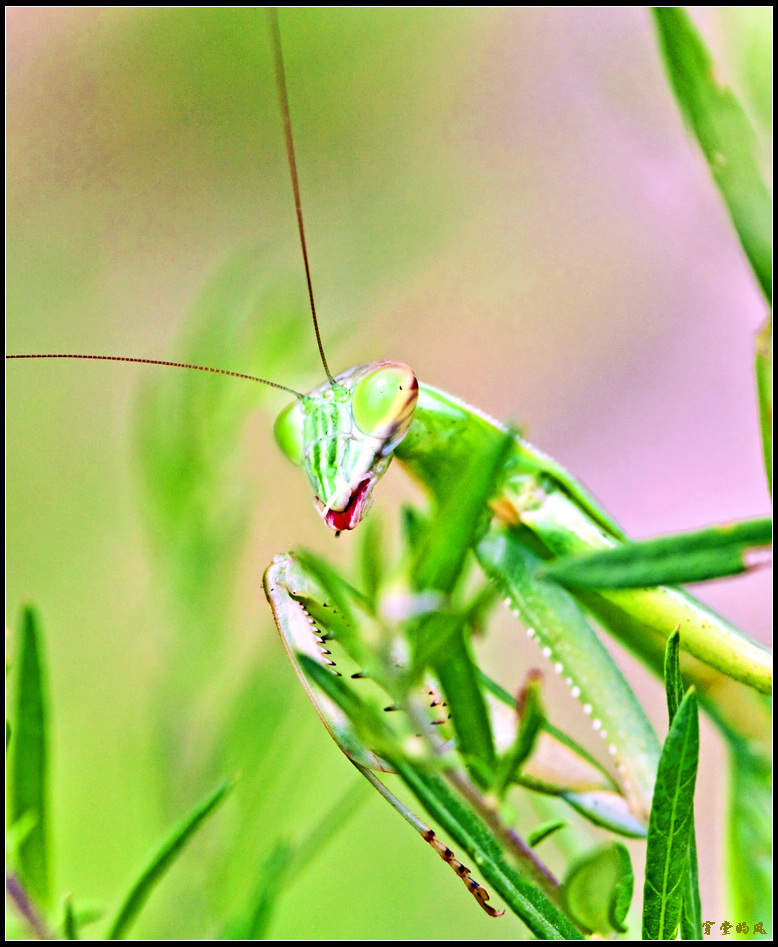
column 162, row 859
column 28, row 771
column 670, row 825
column 724, row 135
column 691, row 914
column 710, row 553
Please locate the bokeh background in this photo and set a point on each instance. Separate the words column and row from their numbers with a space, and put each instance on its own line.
column 505, row 199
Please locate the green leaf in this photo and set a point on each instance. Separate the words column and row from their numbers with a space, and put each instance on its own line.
column 691, row 915
column 162, row 860
column 461, row 685
column 196, row 498
column 28, row 790
column 763, row 367
column 69, row 921
column 551, row 613
column 728, row 143
column 666, row 560
column 724, row 134
column 525, row 900
column 440, row 556
column 272, row 878
column 78, row 915
column 598, row 889
column 542, row 832
column 336, row 610
column 673, row 681
column 530, row 725
column 670, row 825
column 371, row 558
column 749, row 831
column 413, row 524
column 370, row 731
column 440, row 637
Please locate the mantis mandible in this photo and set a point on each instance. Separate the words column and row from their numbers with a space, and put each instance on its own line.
column 423, row 450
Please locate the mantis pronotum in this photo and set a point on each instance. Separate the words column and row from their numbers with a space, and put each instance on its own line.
column 495, row 408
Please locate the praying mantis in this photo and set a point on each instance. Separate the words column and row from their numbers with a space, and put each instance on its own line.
column 494, row 410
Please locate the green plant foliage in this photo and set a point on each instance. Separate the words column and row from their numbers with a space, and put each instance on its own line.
column 724, row 134
column 28, row 772
column 763, row 366
column 749, row 830
column 532, row 721
column 70, row 926
column 691, row 916
column 545, row 831
column 670, row 826
column 667, row 560
column 273, row 875
column 162, row 860
column 729, row 145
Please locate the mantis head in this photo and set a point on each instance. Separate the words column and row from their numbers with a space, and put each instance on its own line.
column 343, row 435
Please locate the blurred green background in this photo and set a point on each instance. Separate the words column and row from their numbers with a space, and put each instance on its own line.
column 506, row 200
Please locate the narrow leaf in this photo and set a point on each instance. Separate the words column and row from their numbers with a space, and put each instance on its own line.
column 763, row 367
column 750, row 829
column 335, row 609
column 459, row 679
column 372, row 563
column 691, row 915
column 438, row 562
column 163, row 859
column 551, row 614
column 667, row 560
column 440, row 556
column 413, row 524
column 542, row 832
column 670, row 825
column 69, row 921
column 724, row 134
column 532, row 719
column 673, row 681
column 28, row 775
column 272, row 878
column 525, row 900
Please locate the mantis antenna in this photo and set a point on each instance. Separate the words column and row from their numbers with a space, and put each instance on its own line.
column 157, row 361
column 283, row 100
column 284, row 104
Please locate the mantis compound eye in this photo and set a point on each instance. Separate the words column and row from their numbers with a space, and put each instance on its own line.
column 384, row 401
column 289, row 431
